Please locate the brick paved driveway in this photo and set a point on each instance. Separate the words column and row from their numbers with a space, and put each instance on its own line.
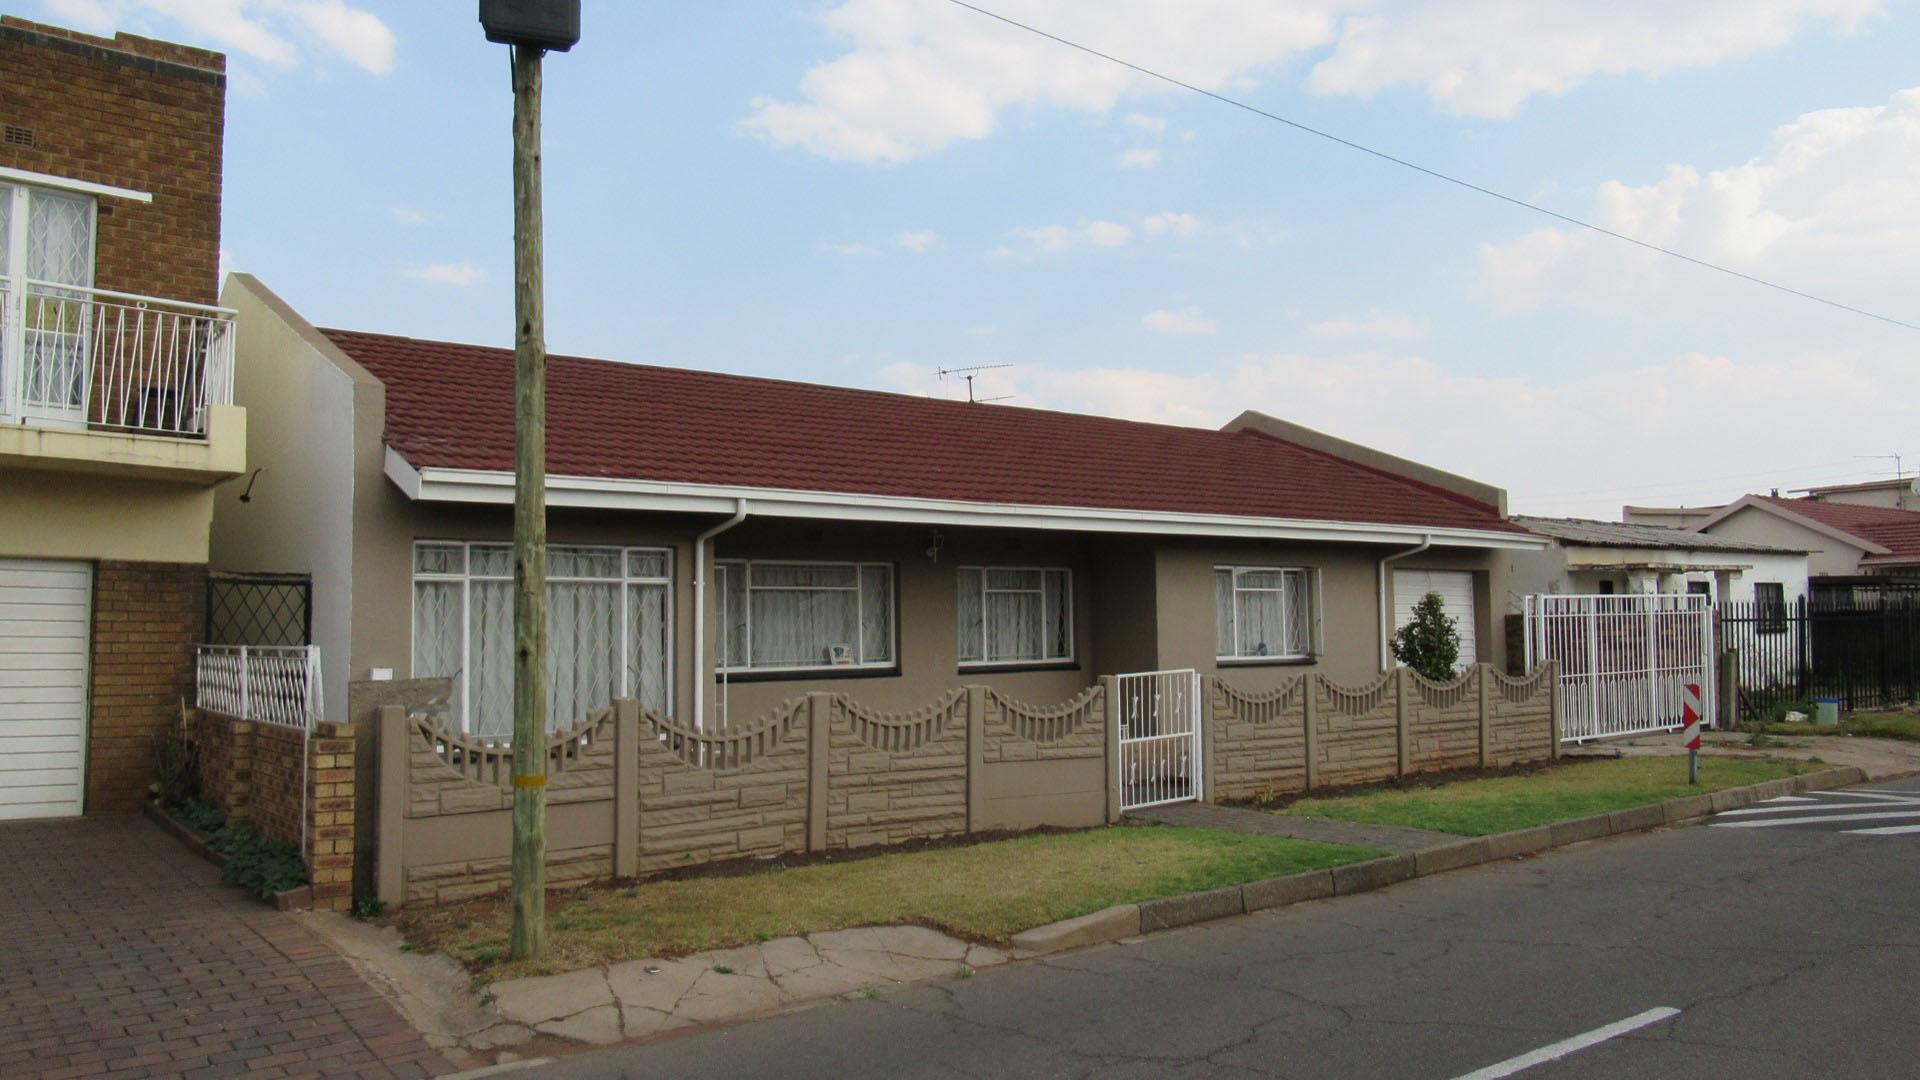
column 121, row 954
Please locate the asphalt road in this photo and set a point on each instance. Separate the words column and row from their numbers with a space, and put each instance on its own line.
column 1789, row 952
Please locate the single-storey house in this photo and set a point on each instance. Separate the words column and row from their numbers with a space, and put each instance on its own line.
column 1600, row 557
column 1853, row 549
column 721, row 544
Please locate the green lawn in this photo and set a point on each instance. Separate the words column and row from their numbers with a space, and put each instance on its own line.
column 985, row 892
column 1571, row 790
column 1879, row 725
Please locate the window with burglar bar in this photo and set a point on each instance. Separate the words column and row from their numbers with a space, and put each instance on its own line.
column 609, row 629
column 1011, row 615
column 1264, row 612
column 1770, row 605
column 795, row 616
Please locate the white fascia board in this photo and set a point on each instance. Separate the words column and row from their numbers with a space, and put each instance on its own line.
column 477, row 486
column 68, row 183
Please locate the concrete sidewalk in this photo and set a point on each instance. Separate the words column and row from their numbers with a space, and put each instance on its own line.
column 1880, row 759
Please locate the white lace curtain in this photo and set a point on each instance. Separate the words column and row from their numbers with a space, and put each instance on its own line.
column 1262, row 612
column 800, row 615
column 608, row 630
column 1012, row 614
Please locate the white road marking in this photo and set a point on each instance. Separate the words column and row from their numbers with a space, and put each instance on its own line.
column 1886, row 830
column 1556, row 1051
column 1878, row 796
column 1819, row 808
column 1793, row 798
column 1910, row 794
column 1816, row 819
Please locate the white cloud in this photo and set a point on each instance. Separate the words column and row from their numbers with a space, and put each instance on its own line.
column 407, row 215
column 1170, row 223
column 918, row 241
column 1828, row 205
column 1187, row 320
column 921, row 75
column 852, row 251
column 1052, row 239
column 1140, row 157
column 459, row 275
column 275, row 32
column 1375, row 324
column 1532, row 435
column 1152, row 125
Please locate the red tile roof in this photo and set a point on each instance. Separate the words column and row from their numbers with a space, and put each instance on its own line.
column 451, row 406
column 1896, row 530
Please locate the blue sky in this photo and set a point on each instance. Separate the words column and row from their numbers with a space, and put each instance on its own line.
column 861, row 192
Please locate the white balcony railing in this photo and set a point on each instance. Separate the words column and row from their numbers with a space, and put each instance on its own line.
column 74, row 357
column 273, row 685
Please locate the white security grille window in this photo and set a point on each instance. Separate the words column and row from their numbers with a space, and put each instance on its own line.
column 609, row 629
column 1264, row 612
column 1012, row 615
column 784, row 616
column 46, row 259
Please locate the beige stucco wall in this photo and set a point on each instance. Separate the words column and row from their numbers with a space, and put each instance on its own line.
column 79, row 516
column 1825, row 554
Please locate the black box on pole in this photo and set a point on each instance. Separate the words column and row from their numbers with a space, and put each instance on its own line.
column 543, row 24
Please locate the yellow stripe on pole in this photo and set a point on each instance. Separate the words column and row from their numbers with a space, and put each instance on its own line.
column 529, row 781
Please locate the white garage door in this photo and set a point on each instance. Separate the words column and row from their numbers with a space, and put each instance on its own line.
column 1456, row 592
column 44, row 620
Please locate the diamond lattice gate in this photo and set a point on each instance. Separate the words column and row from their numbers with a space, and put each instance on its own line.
column 1160, row 749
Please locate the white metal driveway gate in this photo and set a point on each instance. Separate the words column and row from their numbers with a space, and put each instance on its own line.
column 1159, row 737
column 1625, row 659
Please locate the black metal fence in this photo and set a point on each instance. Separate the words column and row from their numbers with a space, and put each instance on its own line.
column 1863, row 651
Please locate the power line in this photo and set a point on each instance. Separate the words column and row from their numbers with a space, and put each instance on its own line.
column 1434, row 173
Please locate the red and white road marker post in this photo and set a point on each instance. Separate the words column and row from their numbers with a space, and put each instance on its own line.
column 1690, row 735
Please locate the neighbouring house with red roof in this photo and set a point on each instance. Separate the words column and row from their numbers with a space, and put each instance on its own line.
column 1853, row 547
column 720, row 544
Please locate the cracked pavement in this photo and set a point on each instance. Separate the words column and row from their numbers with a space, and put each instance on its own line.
column 1790, row 954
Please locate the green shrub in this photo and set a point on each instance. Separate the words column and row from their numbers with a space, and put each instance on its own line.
column 199, row 815
column 260, row 864
column 1430, row 642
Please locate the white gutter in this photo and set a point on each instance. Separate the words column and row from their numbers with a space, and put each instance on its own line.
column 700, row 681
column 433, row 484
column 1386, row 615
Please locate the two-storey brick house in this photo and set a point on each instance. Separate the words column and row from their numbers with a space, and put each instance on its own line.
column 116, row 421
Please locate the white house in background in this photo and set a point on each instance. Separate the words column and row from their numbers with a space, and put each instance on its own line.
column 1589, row 557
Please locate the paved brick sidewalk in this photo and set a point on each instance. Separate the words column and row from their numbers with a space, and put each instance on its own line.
column 121, row 954
column 1394, row 838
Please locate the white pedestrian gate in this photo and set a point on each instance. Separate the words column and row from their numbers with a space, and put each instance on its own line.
column 1626, row 660
column 1159, row 737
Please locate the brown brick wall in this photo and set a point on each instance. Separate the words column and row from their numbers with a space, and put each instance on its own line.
column 133, row 113
column 146, row 620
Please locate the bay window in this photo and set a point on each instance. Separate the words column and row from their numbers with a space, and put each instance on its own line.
column 609, row 629
column 803, row 616
column 1264, row 613
column 1011, row 615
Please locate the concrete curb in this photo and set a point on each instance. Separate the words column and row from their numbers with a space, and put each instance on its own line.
column 1166, row 913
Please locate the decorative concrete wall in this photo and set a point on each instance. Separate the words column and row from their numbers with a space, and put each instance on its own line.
column 1310, row 732
column 630, row 792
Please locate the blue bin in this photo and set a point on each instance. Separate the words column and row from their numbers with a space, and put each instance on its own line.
column 1826, row 711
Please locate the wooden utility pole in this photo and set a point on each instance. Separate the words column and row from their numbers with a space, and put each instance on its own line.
column 529, row 520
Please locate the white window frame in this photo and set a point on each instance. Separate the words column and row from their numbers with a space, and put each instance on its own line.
column 1309, row 579
column 1073, row 644
column 467, row 577
column 18, row 186
column 745, row 568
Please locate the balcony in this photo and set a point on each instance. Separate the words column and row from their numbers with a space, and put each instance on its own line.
column 100, row 381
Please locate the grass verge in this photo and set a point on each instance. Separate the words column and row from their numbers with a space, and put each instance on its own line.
column 1575, row 789
column 1878, row 725
column 983, row 892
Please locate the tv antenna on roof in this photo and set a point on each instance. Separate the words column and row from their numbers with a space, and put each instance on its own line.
column 971, row 373
column 1898, row 472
